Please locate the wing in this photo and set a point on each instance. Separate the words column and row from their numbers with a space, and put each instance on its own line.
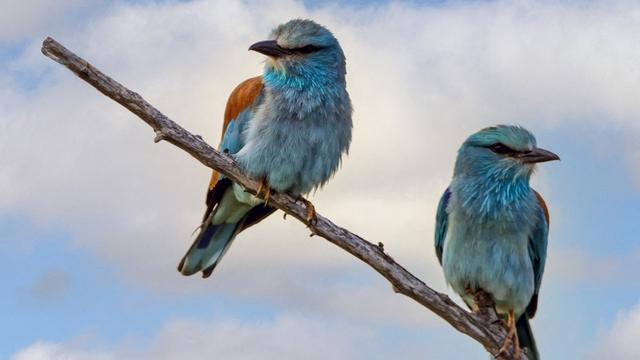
column 237, row 115
column 442, row 218
column 538, row 251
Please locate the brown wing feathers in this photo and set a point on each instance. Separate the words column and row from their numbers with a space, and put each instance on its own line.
column 241, row 97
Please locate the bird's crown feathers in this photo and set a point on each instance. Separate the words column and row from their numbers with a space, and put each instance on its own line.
column 300, row 33
column 512, row 136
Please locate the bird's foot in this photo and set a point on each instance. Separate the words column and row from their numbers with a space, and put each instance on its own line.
column 264, row 186
column 469, row 291
column 482, row 299
column 312, row 217
column 511, row 338
column 473, row 305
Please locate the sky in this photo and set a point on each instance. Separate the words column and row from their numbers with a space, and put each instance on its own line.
column 94, row 216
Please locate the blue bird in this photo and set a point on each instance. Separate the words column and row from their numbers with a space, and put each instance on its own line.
column 491, row 227
column 287, row 128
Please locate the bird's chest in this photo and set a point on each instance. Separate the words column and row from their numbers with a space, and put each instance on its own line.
column 293, row 154
column 492, row 255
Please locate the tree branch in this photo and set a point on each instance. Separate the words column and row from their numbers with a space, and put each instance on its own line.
column 483, row 326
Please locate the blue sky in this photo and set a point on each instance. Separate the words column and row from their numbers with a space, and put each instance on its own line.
column 94, row 217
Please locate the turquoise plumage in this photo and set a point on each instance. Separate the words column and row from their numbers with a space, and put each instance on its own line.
column 491, row 226
column 288, row 129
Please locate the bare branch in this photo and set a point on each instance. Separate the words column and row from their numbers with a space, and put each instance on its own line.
column 482, row 326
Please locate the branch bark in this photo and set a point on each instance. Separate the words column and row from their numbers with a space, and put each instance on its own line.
column 483, row 326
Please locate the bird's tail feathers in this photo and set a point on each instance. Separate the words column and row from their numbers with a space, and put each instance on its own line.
column 207, row 249
column 525, row 337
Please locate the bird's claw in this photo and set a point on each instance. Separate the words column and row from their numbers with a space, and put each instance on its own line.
column 263, row 186
column 504, row 350
column 511, row 338
column 468, row 290
column 312, row 217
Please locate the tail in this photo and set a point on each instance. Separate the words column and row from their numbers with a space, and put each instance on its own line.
column 208, row 248
column 525, row 336
column 229, row 211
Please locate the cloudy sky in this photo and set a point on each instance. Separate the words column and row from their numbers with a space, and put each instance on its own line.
column 94, row 216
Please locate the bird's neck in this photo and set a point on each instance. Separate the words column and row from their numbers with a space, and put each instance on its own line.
column 493, row 196
column 305, row 90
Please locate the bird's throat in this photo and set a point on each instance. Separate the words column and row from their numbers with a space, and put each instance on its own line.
column 491, row 200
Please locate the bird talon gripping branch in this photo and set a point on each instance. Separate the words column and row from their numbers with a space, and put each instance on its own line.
column 311, row 216
column 264, row 186
column 511, row 338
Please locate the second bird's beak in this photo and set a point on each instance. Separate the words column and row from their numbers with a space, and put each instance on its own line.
column 270, row 48
column 538, row 155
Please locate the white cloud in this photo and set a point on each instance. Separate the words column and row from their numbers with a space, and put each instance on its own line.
column 579, row 266
column 287, row 336
column 621, row 341
column 22, row 19
column 56, row 351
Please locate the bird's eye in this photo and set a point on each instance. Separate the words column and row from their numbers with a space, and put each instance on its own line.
column 306, row 49
column 501, row 149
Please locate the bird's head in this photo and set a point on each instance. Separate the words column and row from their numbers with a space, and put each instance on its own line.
column 302, row 49
column 502, row 152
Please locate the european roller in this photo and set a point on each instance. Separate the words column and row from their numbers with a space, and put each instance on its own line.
column 287, row 129
column 491, row 227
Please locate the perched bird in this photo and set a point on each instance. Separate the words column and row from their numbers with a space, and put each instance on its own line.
column 287, row 128
column 491, row 227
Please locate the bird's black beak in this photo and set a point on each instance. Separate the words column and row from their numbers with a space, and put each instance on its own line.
column 270, row 48
column 538, row 155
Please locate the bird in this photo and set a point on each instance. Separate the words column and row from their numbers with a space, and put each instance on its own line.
column 288, row 129
column 492, row 227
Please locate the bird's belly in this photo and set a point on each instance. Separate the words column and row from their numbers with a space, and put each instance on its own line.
column 292, row 160
column 497, row 263
column 299, row 168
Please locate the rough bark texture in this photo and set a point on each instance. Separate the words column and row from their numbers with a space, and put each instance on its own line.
column 482, row 326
